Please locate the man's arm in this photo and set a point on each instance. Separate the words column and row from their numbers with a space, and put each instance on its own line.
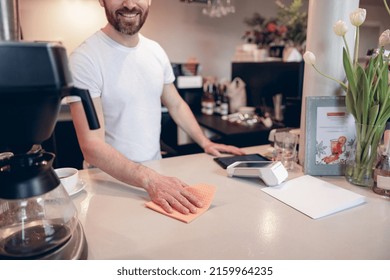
column 168, row 192
column 183, row 116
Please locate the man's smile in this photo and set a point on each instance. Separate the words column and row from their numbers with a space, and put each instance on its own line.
column 129, row 15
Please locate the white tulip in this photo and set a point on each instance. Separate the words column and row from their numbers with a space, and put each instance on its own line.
column 340, row 28
column 384, row 39
column 309, row 58
column 358, row 16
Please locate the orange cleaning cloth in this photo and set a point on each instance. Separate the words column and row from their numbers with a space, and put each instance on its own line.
column 204, row 192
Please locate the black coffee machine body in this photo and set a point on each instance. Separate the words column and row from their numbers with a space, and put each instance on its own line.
column 37, row 218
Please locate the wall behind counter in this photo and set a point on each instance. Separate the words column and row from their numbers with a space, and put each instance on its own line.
column 180, row 28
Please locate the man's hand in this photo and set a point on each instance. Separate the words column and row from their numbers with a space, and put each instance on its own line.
column 216, row 149
column 170, row 193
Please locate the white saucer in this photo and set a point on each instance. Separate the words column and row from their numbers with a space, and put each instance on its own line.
column 79, row 187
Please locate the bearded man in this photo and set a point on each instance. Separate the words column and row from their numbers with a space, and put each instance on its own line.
column 129, row 76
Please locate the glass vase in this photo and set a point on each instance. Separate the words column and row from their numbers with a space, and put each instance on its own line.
column 359, row 167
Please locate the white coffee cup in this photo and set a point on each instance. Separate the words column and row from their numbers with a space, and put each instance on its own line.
column 69, row 177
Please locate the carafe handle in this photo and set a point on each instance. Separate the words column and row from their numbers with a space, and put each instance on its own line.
column 89, row 109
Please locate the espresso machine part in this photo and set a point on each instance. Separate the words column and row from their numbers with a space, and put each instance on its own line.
column 37, row 217
column 9, row 20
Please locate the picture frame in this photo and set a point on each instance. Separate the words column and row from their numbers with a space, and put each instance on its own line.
column 330, row 133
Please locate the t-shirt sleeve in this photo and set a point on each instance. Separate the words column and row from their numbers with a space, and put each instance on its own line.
column 169, row 76
column 85, row 74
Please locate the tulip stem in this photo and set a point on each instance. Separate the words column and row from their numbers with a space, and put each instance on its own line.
column 346, row 46
column 344, row 86
column 387, row 6
column 356, row 50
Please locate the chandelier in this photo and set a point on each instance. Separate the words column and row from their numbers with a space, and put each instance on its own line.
column 219, row 8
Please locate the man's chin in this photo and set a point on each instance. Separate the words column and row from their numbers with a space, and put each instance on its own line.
column 128, row 30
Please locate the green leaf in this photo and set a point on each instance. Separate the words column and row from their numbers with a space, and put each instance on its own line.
column 364, row 96
column 382, row 88
column 384, row 82
column 352, row 88
column 373, row 114
column 348, row 68
column 377, row 61
column 370, row 69
column 351, row 96
column 350, row 105
column 385, row 115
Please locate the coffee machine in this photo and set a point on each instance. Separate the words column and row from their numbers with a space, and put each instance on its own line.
column 37, row 217
column 38, row 220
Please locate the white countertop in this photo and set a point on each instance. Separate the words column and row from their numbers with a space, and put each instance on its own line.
column 242, row 223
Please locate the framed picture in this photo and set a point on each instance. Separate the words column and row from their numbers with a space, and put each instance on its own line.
column 330, row 133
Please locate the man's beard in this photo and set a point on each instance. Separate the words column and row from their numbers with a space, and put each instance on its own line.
column 123, row 26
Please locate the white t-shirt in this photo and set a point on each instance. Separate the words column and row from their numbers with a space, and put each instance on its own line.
column 129, row 82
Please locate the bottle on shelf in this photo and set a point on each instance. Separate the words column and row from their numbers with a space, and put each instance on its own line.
column 208, row 101
column 217, row 98
column 224, row 107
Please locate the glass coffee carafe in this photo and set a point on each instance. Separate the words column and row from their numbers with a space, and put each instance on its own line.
column 37, row 217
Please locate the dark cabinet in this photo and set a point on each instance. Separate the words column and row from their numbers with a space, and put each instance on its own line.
column 265, row 79
column 169, row 131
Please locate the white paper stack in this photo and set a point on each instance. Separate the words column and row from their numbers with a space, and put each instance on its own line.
column 315, row 197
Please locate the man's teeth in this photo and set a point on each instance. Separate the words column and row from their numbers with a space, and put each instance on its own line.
column 129, row 15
